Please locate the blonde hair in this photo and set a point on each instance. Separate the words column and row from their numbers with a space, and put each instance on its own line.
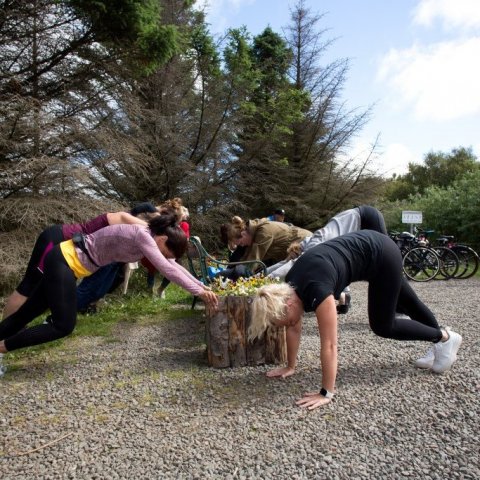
column 234, row 230
column 185, row 213
column 231, row 232
column 236, row 226
column 173, row 206
column 268, row 306
column 294, row 250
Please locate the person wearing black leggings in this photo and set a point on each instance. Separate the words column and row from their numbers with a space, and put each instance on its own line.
column 56, row 234
column 161, row 242
column 364, row 217
column 57, row 291
column 320, row 275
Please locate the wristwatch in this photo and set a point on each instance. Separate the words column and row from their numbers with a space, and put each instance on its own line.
column 325, row 393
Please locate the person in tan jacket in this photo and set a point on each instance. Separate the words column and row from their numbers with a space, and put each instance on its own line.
column 264, row 240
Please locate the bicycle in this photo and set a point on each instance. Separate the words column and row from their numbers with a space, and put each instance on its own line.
column 449, row 260
column 420, row 264
column 469, row 260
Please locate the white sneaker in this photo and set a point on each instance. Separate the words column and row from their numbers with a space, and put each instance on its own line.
column 446, row 352
column 427, row 360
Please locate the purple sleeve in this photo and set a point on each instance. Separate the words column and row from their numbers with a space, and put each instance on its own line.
column 168, row 269
column 91, row 226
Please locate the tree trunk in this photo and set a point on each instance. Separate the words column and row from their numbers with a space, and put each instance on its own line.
column 227, row 344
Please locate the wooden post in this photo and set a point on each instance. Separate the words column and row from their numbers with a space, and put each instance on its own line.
column 237, row 338
column 217, row 338
column 227, row 344
column 275, row 345
column 255, row 349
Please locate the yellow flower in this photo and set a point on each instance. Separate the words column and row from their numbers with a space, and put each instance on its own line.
column 242, row 287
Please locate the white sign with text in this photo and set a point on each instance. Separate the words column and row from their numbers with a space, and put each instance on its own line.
column 410, row 216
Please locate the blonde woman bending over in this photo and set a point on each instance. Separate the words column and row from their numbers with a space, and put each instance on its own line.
column 318, row 278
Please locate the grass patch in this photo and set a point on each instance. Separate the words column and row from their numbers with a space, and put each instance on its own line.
column 138, row 307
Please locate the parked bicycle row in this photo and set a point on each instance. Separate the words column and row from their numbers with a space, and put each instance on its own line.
column 445, row 259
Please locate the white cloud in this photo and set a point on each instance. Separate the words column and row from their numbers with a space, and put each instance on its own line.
column 440, row 81
column 396, row 158
column 219, row 11
column 387, row 160
column 452, row 13
column 215, row 5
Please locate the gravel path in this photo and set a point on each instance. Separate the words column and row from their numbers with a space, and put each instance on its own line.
column 148, row 407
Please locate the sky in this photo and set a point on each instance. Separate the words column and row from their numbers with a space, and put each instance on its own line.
column 415, row 62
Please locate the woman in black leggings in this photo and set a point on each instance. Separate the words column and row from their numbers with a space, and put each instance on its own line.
column 56, row 234
column 58, row 292
column 161, row 242
column 364, row 217
column 320, row 275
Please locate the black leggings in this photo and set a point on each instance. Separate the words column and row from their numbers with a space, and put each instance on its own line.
column 33, row 275
column 57, row 291
column 372, row 219
column 388, row 288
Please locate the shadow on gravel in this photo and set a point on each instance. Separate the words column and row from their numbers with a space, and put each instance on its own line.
column 354, row 327
column 383, row 373
column 194, row 358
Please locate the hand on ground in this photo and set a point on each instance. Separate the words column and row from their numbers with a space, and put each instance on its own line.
column 312, row 400
column 281, row 372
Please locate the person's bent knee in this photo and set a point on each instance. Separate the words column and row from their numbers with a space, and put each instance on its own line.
column 63, row 329
column 66, row 329
column 384, row 331
column 13, row 303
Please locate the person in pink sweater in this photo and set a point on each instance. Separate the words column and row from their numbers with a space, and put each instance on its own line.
column 56, row 234
column 162, row 241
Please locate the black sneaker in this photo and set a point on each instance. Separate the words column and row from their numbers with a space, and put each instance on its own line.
column 345, row 307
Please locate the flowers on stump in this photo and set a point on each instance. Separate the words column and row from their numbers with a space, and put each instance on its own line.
column 243, row 287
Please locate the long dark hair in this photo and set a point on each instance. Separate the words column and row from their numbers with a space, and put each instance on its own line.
column 167, row 225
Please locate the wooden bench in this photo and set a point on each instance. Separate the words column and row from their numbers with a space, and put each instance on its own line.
column 199, row 260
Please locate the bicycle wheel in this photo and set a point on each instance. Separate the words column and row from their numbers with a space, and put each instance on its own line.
column 449, row 263
column 421, row 264
column 468, row 261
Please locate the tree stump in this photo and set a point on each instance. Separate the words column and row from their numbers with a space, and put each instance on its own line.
column 226, row 333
